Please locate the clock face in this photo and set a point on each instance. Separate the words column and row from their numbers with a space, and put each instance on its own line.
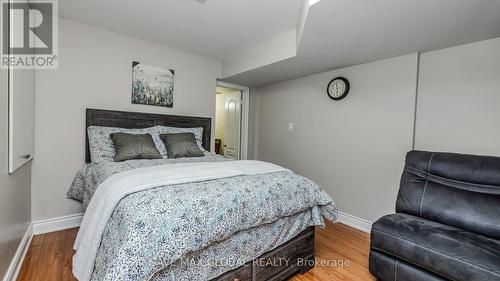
column 338, row 88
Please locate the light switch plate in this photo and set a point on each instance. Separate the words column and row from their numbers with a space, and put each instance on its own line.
column 290, row 127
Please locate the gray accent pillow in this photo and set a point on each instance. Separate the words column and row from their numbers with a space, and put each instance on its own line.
column 181, row 145
column 102, row 148
column 134, row 146
column 158, row 130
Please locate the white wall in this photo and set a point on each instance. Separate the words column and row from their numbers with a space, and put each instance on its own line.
column 15, row 205
column 95, row 72
column 459, row 99
column 353, row 148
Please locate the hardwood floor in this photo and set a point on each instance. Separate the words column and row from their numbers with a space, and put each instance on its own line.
column 340, row 242
column 49, row 256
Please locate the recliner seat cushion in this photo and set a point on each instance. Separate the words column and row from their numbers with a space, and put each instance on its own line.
column 385, row 267
column 445, row 250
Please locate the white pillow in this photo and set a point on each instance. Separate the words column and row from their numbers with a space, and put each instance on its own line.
column 101, row 145
column 102, row 148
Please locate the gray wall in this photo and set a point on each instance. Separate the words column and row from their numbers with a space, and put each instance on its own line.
column 459, row 99
column 15, row 214
column 95, row 70
column 353, row 148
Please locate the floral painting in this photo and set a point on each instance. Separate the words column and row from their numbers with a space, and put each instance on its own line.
column 152, row 85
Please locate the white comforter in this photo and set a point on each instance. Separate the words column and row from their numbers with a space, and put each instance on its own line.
column 112, row 190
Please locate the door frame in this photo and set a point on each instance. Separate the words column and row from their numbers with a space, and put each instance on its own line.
column 245, row 115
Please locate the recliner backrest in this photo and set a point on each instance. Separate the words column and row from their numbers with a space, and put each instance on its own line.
column 454, row 189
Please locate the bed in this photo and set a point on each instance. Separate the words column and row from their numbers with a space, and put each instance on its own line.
column 201, row 218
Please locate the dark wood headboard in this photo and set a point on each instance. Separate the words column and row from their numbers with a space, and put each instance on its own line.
column 137, row 120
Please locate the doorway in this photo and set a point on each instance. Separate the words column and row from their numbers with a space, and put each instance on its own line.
column 230, row 115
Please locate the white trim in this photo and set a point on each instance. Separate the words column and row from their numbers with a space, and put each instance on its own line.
column 355, row 222
column 56, row 224
column 11, row 120
column 71, row 221
column 17, row 260
column 245, row 115
column 36, row 228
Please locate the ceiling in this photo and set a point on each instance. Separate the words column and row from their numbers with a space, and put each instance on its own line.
column 214, row 29
column 335, row 34
column 340, row 33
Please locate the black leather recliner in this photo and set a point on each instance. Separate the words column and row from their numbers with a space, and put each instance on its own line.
column 447, row 221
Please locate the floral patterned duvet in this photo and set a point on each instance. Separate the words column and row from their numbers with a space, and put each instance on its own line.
column 199, row 230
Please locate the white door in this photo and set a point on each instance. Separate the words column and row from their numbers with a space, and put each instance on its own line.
column 21, row 105
column 21, row 127
column 232, row 108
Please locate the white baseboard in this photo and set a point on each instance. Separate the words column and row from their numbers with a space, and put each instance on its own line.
column 35, row 228
column 56, row 224
column 61, row 223
column 17, row 260
column 355, row 222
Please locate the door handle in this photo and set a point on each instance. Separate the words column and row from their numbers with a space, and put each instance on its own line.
column 27, row 156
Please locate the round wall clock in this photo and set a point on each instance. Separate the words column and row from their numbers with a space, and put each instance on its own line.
column 338, row 88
